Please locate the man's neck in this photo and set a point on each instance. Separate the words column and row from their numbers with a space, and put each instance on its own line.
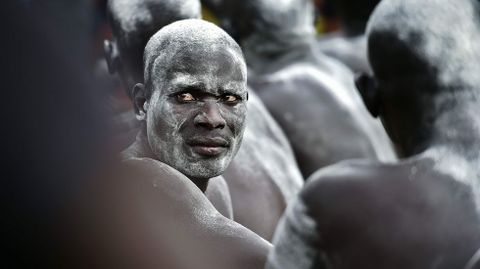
column 201, row 183
column 139, row 148
column 460, row 126
column 457, row 129
column 454, row 145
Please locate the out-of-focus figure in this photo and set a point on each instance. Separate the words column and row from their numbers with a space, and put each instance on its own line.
column 55, row 130
column 424, row 211
column 311, row 96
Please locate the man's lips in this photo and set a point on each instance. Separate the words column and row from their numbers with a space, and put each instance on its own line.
column 208, row 147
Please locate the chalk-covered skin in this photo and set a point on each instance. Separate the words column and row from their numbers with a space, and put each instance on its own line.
column 264, row 175
column 133, row 23
column 310, row 95
column 423, row 211
column 349, row 45
column 193, row 103
column 192, row 108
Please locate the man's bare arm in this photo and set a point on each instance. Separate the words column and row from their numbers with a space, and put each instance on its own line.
column 154, row 217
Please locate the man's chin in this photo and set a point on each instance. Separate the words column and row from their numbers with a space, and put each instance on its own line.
column 205, row 169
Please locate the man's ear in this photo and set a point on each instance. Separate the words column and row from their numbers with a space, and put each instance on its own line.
column 112, row 56
column 140, row 101
column 368, row 89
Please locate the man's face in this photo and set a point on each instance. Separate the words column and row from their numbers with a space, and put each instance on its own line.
column 196, row 113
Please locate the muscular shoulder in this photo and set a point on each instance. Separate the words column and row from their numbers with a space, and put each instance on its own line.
column 354, row 182
column 350, row 170
column 158, row 179
column 148, row 166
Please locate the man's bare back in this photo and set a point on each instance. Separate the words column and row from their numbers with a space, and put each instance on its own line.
column 323, row 122
column 406, row 215
column 423, row 211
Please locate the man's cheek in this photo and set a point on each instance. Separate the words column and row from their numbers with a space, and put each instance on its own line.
column 173, row 116
column 238, row 119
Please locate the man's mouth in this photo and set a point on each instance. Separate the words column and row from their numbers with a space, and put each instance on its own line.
column 208, row 147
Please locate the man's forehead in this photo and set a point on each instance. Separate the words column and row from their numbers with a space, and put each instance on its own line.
column 181, row 78
column 181, row 55
column 208, row 66
column 206, row 82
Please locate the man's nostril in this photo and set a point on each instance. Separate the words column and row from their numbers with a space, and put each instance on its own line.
column 210, row 121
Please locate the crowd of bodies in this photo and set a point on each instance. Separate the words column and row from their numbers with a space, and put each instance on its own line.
column 260, row 145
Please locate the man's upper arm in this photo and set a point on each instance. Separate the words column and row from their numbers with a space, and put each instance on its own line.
column 162, row 220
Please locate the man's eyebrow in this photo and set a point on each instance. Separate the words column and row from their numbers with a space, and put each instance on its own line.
column 231, row 90
column 227, row 91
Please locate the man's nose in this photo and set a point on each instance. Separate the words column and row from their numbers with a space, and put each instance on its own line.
column 210, row 117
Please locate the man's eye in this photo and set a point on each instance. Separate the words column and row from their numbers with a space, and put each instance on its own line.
column 232, row 99
column 185, row 97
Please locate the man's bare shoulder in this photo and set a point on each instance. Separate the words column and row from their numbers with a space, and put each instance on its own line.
column 151, row 166
column 352, row 179
column 357, row 187
column 162, row 181
column 155, row 213
column 352, row 170
column 364, row 171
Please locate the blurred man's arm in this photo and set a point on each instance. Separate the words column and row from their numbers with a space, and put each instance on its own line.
column 154, row 217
